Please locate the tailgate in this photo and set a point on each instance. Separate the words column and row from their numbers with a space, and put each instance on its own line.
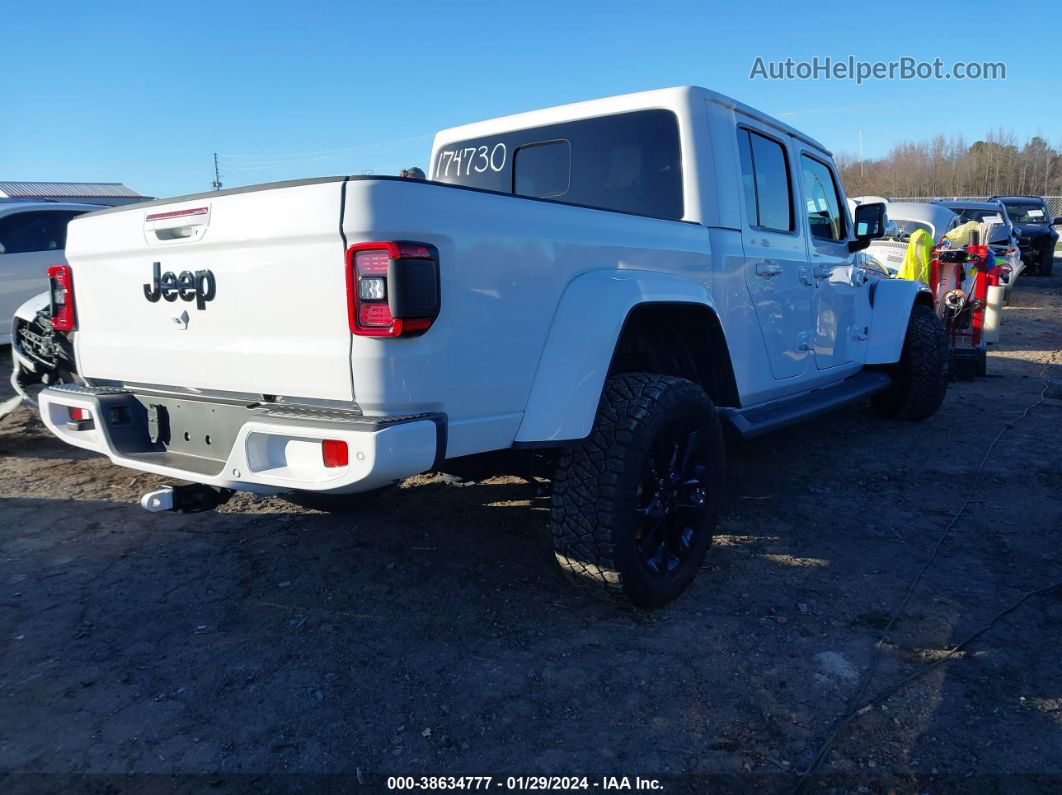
column 241, row 291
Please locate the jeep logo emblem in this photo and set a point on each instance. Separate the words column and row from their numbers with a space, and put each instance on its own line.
column 186, row 285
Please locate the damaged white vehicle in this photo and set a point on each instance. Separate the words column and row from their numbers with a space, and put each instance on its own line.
column 40, row 354
column 904, row 219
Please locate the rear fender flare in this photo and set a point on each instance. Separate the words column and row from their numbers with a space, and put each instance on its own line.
column 891, row 302
column 578, row 352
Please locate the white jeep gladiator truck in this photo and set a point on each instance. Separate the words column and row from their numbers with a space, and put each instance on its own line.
column 612, row 282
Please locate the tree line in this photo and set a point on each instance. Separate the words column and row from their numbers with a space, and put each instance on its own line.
column 997, row 165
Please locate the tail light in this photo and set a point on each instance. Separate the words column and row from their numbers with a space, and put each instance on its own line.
column 334, row 453
column 61, row 285
column 392, row 288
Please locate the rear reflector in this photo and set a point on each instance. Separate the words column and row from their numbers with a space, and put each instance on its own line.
column 61, row 286
column 79, row 419
column 334, row 453
column 372, row 316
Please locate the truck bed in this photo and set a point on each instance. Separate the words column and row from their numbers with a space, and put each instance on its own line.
column 277, row 326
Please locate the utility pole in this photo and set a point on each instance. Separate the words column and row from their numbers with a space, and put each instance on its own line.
column 861, row 151
column 217, row 174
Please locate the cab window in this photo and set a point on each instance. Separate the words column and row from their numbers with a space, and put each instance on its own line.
column 825, row 219
column 765, row 175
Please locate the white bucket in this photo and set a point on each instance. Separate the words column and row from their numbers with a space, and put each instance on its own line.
column 993, row 312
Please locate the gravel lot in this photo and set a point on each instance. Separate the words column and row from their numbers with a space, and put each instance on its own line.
column 432, row 634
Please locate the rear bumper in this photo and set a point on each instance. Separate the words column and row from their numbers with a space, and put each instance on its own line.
column 274, row 448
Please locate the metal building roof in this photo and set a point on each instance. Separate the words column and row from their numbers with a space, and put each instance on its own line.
column 68, row 190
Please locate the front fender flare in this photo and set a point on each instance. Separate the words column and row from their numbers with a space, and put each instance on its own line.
column 892, row 300
column 578, row 351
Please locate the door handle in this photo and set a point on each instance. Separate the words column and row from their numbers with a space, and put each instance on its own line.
column 823, row 271
column 768, row 269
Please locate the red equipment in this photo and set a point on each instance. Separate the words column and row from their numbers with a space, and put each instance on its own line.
column 959, row 279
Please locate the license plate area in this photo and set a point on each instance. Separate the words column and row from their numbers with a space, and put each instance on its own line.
column 193, row 427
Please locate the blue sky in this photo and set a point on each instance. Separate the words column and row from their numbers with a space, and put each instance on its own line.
column 145, row 93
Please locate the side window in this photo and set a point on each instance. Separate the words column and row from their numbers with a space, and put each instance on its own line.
column 765, row 174
column 23, row 233
column 542, row 170
column 59, row 219
column 825, row 218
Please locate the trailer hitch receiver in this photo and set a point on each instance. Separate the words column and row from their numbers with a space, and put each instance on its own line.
column 185, row 498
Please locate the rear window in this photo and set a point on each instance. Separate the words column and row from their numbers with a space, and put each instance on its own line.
column 629, row 162
column 543, row 170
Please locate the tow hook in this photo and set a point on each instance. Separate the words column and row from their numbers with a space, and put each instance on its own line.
column 185, row 498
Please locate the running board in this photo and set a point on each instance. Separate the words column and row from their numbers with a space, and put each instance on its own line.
column 778, row 413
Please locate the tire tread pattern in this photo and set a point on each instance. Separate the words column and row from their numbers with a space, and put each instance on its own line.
column 921, row 377
column 590, row 491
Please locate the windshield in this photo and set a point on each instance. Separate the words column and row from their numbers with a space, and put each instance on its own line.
column 904, row 229
column 969, row 214
column 1027, row 213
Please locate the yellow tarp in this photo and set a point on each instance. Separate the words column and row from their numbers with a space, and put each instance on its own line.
column 915, row 267
column 962, row 235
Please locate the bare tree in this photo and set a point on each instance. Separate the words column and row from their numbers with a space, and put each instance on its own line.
column 998, row 164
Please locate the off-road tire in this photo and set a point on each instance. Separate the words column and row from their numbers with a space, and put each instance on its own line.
column 920, row 378
column 597, row 483
column 335, row 503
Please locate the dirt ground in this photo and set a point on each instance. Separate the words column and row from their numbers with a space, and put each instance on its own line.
column 433, row 634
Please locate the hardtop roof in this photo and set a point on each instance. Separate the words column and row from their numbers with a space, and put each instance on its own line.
column 673, row 97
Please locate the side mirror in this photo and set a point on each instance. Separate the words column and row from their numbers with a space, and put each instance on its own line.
column 870, row 220
column 1057, row 221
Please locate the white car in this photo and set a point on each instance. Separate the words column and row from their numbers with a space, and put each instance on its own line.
column 32, row 239
column 608, row 283
column 904, row 218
